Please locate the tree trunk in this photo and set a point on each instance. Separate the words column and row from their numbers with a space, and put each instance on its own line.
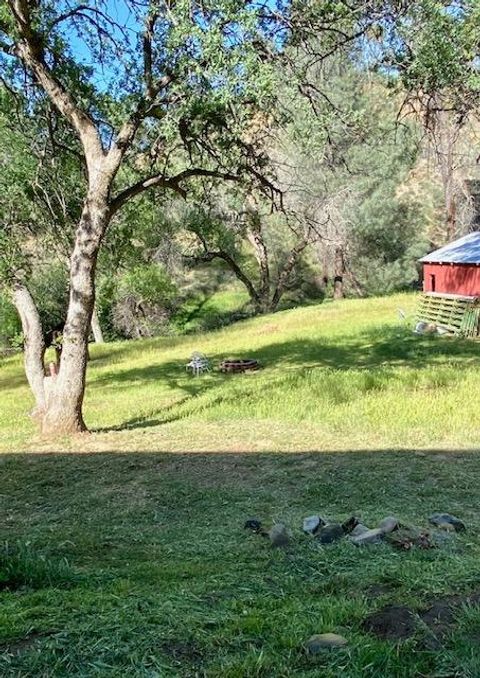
column 451, row 218
column 96, row 327
column 445, row 137
column 286, row 272
column 255, row 237
column 34, row 345
column 339, row 273
column 230, row 261
column 234, row 267
column 355, row 283
column 448, row 177
column 64, row 407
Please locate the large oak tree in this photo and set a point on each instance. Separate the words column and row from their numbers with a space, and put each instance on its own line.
column 158, row 94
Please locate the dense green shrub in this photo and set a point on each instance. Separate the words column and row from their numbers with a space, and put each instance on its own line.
column 10, row 326
column 143, row 301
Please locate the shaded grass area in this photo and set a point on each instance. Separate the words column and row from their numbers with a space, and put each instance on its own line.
column 138, row 564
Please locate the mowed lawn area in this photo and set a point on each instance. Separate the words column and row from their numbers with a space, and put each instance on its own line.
column 123, row 553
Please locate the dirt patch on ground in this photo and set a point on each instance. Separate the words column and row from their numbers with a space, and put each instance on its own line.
column 440, row 620
column 397, row 622
column 439, row 617
column 379, row 590
column 394, row 622
column 441, row 612
column 182, row 651
column 16, row 647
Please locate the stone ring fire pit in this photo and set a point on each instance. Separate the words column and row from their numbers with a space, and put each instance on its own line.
column 233, row 365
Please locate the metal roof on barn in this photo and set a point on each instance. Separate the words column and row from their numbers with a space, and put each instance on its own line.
column 465, row 250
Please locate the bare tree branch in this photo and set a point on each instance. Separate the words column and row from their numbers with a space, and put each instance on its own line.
column 173, row 183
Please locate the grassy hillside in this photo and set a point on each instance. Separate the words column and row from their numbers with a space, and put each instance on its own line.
column 134, row 561
column 336, row 376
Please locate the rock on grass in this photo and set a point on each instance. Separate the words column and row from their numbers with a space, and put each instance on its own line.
column 358, row 530
column 443, row 520
column 279, row 535
column 324, row 641
column 349, row 525
column 312, row 523
column 369, row 537
column 330, row 533
column 388, row 524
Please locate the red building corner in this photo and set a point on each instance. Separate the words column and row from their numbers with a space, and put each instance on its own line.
column 454, row 268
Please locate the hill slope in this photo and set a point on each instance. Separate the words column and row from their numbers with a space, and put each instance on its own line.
column 349, row 375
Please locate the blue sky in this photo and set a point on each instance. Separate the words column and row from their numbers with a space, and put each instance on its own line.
column 122, row 15
column 120, row 11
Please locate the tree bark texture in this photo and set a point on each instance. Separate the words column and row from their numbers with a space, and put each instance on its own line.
column 34, row 345
column 286, row 272
column 255, row 237
column 339, row 273
column 64, row 408
column 96, row 327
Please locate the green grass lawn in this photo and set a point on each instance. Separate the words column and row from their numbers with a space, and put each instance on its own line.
column 133, row 560
column 336, row 377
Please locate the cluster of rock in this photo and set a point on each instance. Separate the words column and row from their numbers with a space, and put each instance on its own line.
column 358, row 534
column 445, row 521
column 389, row 529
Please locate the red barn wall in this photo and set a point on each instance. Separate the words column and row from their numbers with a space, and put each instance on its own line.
column 452, row 278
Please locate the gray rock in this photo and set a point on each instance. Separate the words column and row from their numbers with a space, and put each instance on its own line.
column 443, row 519
column 370, row 537
column 324, row 641
column 312, row 524
column 388, row 524
column 359, row 529
column 330, row 533
column 279, row 535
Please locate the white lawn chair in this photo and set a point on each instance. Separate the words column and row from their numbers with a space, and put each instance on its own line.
column 198, row 364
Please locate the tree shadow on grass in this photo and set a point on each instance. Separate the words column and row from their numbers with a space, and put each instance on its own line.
column 396, row 480
column 164, row 561
column 172, row 375
column 383, row 348
column 379, row 347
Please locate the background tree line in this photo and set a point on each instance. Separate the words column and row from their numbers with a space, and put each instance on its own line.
column 363, row 197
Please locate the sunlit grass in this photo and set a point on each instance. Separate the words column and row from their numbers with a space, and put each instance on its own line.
column 334, row 376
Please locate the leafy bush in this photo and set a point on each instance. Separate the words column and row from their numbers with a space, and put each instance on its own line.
column 10, row 326
column 49, row 288
column 144, row 300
